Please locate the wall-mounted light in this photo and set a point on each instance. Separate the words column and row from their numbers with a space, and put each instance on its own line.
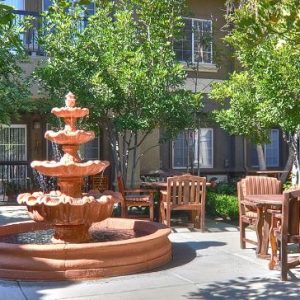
column 36, row 125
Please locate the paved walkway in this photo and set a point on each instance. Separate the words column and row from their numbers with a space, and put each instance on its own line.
column 206, row 265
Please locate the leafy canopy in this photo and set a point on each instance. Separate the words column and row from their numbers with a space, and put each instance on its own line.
column 13, row 88
column 264, row 93
column 119, row 62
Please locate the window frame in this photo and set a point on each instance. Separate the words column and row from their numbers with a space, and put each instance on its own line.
column 265, row 152
column 193, row 41
column 25, row 139
column 195, row 160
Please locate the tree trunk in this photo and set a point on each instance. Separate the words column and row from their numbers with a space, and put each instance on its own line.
column 292, row 163
column 261, row 157
column 134, row 160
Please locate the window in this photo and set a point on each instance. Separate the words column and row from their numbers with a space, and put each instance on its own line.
column 13, row 146
column 192, row 146
column 16, row 4
column 90, row 150
column 271, row 151
column 195, row 46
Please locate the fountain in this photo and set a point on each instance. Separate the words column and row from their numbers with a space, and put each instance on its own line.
column 74, row 219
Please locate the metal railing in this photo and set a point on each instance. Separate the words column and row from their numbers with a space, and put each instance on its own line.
column 30, row 36
column 15, row 178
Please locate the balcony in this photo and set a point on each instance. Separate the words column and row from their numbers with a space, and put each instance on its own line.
column 30, row 37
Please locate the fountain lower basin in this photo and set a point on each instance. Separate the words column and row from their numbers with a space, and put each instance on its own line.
column 70, row 217
column 85, row 260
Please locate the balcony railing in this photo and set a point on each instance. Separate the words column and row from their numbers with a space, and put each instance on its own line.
column 30, row 36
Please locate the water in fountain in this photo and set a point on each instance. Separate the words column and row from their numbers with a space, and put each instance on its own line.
column 56, row 153
column 45, row 183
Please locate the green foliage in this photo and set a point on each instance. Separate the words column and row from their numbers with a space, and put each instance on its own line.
column 222, row 201
column 13, row 88
column 264, row 93
column 121, row 65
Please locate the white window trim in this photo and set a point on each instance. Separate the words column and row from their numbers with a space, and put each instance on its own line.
column 19, row 126
column 195, row 165
column 193, row 44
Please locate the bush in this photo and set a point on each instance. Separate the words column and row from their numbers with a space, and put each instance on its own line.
column 222, row 201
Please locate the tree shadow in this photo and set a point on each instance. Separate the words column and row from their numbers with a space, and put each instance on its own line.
column 185, row 252
column 245, row 288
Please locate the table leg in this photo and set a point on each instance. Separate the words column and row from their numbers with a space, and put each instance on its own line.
column 259, row 229
column 266, row 233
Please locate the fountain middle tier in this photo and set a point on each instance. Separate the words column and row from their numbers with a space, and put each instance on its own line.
column 64, row 137
column 70, row 168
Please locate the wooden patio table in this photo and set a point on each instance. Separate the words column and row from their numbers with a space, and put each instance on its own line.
column 270, row 173
column 262, row 203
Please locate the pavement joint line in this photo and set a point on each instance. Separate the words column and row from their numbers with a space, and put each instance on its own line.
column 248, row 258
column 21, row 290
column 182, row 278
column 121, row 292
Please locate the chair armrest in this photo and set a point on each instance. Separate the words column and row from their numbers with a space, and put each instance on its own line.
column 248, row 203
column 139, row 191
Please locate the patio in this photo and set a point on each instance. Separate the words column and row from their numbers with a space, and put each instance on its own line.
column 205, row 265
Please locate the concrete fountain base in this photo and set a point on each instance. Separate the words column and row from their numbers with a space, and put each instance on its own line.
column 86, row 260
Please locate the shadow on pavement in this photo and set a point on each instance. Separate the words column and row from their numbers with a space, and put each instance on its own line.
column 185, row 252
column 245, row 288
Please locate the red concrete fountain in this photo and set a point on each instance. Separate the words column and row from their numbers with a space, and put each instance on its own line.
column 74, row 217
column 69, row 211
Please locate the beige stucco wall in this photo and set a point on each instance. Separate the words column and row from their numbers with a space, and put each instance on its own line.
column 151, row 158
column 28, row 66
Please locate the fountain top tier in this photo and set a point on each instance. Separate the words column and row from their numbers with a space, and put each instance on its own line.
column 70, row 135
column 70, row 138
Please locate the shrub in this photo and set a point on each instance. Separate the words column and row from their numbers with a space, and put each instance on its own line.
column 222, row 201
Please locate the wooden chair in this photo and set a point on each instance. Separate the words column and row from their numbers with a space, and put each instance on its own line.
column 100, row 182
column 253, row 185
column 287, row 231
column 184, row 192
column 135, row 198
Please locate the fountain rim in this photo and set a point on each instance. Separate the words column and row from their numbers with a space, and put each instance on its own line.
column 161, row 231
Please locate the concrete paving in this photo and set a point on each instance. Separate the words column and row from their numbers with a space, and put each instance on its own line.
column 206, row 265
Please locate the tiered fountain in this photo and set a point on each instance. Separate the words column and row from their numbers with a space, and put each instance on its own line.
column 69, row 211
column 73, row 252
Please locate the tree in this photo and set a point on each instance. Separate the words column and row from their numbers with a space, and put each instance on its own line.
column 14, row 90
column 264, row 93
column 120, row 63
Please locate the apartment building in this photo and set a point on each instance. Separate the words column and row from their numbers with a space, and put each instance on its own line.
column 208, row 149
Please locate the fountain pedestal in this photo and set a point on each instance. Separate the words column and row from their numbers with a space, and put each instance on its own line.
column 71, row 234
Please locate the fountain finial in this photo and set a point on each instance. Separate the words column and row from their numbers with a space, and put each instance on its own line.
column 70, row 100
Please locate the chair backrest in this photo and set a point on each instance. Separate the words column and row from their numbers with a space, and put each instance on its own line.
column 256, row 185
column 121, row 186
column 291, row 214
column 100, row 182
column 186, row 189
